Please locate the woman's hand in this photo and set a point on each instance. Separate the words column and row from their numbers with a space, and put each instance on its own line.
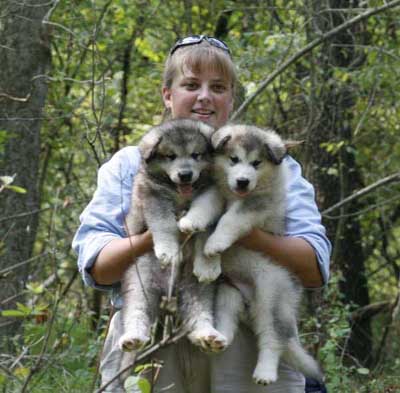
column 294, row 253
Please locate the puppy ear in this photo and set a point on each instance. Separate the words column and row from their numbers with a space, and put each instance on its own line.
column 291, row 143
column 206, row 130
column 219, row 140
column 149, row 144
column 275, row 153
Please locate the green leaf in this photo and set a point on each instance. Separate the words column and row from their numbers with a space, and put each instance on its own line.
column 18, row 189
column 13, row 313
column 25, row 309
column 144, row 385
column 36, row 288
column 133, row 382
column 363, row 371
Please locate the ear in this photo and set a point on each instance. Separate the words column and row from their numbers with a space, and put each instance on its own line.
column 275, row 153
column 291, row 143
column 221, row 143
column 207, row 131
column 220, row 139
column 149, row 144
column 166, row 94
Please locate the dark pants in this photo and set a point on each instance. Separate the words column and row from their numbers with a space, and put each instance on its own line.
column 313, row 386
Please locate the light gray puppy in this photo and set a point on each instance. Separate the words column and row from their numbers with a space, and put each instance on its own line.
column 174, row 173
column 251, row 174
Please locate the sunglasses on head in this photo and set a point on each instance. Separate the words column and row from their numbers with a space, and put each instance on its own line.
column 197, row 39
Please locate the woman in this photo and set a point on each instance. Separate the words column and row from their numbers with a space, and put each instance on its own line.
column 200, row 82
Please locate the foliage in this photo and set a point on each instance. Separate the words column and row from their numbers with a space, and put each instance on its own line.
column 104, row 92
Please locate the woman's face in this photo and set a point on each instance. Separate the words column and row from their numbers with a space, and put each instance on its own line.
column 204, row 96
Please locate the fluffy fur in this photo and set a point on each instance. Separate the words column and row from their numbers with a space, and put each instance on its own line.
column 251, row 175
column 174, row 173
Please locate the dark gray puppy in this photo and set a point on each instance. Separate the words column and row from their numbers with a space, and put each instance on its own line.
column 175, row 172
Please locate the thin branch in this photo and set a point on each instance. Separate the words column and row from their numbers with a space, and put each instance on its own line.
column 363, row 191
column 309, row 48
column 19, row 264
column 22, row 215
column 13, row 98
column 371, row 310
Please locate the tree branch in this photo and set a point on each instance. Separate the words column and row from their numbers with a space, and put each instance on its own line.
column 371, row 310
column 309, row 48
column 363, row 191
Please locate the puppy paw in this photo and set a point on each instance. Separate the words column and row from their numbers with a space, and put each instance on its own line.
column 168, row 255
column 132, row 342
column 187, row 225
column 208, row 339
column 208, row 269
column 265, row 375
column 215, row 246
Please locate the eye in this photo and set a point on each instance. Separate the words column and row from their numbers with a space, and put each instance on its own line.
column 196, row 156
column 234, row 159
column 190, row 85
column 219, row 88
column 256, row 163
column 171, row 157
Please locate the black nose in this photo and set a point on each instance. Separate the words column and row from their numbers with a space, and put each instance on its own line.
column 185, row 176
column 242, row 183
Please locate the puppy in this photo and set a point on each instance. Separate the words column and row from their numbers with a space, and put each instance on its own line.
column 251, row 173
column 174, row 173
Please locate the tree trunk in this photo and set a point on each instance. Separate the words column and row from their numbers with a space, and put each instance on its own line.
column 25, row 60
column 334, row 171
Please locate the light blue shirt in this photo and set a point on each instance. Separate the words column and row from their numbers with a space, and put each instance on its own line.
column 103, row 218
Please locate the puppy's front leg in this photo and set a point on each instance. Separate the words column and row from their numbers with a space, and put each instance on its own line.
column 204, row 268
column 204, row 211
column 234, row 224
column 161, row 220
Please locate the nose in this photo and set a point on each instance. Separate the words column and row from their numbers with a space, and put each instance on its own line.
column 242, row 183
column 185, row 176
column 204, row 94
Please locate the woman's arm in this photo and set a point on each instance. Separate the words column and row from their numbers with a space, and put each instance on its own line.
column 102, row 234
column 294, row 253
column 117, row 255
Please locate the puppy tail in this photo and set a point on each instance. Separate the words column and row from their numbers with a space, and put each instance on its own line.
column 297, row 357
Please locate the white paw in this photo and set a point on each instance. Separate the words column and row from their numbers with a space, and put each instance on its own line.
column 190, row 226
column 215, row 246
column 132, row 342
column 208, row 339
column 208, row 269
column 168, row 254
column 264, row 375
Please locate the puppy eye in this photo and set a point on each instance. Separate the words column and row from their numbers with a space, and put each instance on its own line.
column 234, row 159
column 196, row 156
column 256, row 163
column 171, row 157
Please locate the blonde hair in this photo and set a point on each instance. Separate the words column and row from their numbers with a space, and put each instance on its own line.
column 199, row 57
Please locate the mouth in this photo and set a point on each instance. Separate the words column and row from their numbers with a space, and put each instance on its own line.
column 185, row 190
column 241, row 193
column 203, row 113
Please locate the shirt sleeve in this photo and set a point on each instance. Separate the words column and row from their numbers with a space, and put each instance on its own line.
column 103, row 218
column 303, row 218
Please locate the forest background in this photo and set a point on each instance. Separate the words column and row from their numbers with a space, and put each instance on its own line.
column 81, row 79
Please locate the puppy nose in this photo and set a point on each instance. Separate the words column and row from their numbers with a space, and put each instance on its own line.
column 242, row 183
column 185, row 176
